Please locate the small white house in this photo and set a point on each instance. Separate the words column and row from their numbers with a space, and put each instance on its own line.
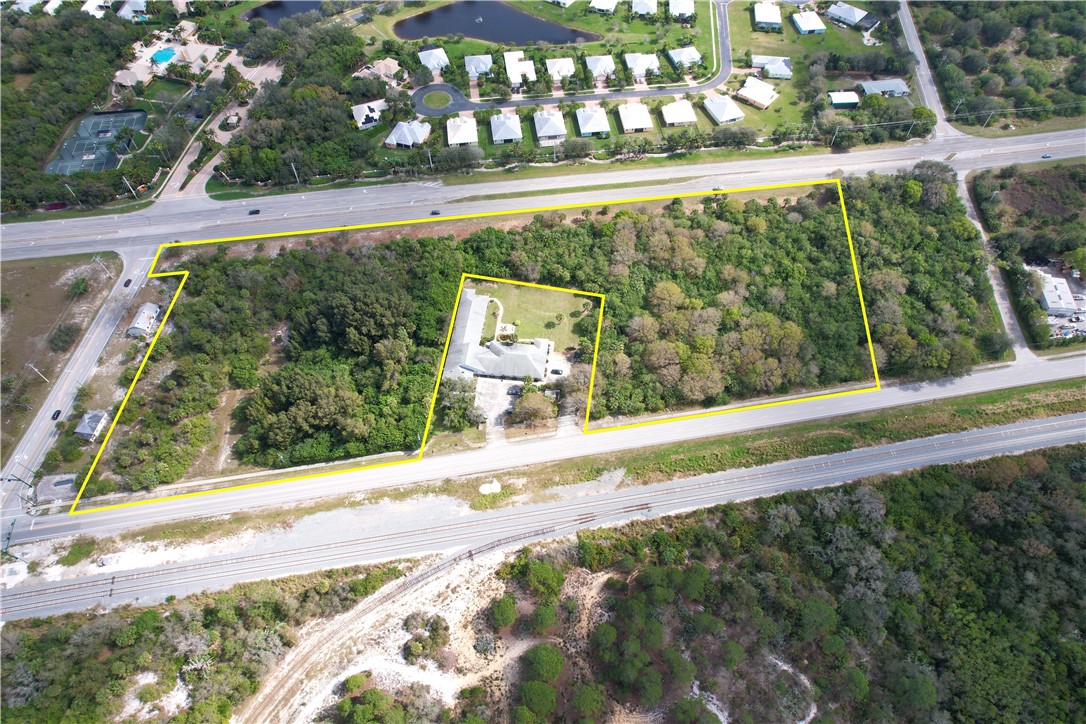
column 644, row 7
column 635, row 117
column 435, row 59
column 145, row 321
column 808, row 23
column 367, row 115
column 462, row 131
column 550, row 127
column 681, row 9
column 505, row 128
column 722, row 109
column 641, row 65
column 478, row 65
column 773, row 66
column 561, row 68
column 679, row 113
column 600, row 67
column 767, row 16
column 683, row 58
column 844, row 99
column 604, row 7
column 408, row 134
column 592, row 121
column 519, row 70
column 758, row 93
column 852, row 16
column 893, row 87
column 91, row 425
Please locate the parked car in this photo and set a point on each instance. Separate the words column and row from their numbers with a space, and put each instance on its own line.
column 56, row 415
column 514, row 391
column 127, row 283
column 254, row 212
column 557, row 372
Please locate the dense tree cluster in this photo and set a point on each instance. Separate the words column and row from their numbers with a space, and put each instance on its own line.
column 945, row 594
column 991, row 56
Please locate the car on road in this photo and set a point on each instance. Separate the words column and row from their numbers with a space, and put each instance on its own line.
column 435, row 212
column 557, row 372
column 127, row 283
column 56, row 415
column 1047, row 155
column 254, row 212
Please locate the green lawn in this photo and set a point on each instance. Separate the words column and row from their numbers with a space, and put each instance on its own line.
column 534, row 311
column 437, row 99
column 169, row 87
column 790, row 43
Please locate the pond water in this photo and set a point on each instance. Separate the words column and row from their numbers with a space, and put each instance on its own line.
column 275, row 11
column 495, row 22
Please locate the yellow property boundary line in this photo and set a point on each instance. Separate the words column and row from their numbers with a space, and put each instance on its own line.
column 183, row 276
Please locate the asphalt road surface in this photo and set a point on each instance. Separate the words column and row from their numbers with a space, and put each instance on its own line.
column 152, row 585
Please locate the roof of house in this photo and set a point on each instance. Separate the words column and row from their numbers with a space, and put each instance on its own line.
column 846, row 13
column 549, row 124
column 409, row 133
column 592, row 120
column 561, row 67
column 685, row 57
column 97, row 8
column 767, row 13
column 723, row 109
column 466, row 332
column 366, row 114
column 758, row 91
column 680, row 8
column 462, row 130
column 1056, row 294
column 517, row 66
column 467, row 357
column 478, row 64
column 600, row 64
column 386, row 66
column 773, row 64
column 125, row 77
column 634, row 115
column 844, row 97
column 133, row 9
column 563, row 3
column 807, row 21
column 640, row 63
column 607, row 6
column 890, row 85
column 144, row 320
column 52, row 6
column 679, row 112
column 643, row 7
column 91, row 423
column 435, row 58
column 24, row 5
column 506, row 127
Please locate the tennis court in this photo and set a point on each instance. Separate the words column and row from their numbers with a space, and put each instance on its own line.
column 89, row 148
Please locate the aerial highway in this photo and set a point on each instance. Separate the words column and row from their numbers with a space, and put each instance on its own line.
column 403, row 537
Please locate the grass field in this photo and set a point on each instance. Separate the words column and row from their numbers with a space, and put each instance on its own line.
column 437, row 99
column 535, row 311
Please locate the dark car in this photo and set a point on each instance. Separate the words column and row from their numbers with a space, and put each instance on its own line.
column 127, row 283
column 254, row 212
column 1047, row 155
column 514, row 391
column 435, row 212
column 56, row 415
column 557, row 372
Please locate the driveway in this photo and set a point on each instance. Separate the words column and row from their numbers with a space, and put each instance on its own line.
column 493, row 396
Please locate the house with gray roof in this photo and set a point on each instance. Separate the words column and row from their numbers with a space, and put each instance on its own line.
column 600, row 67
column 505, row 128
column 91, row 425
column 434, row 58
column 408, row 134
column 467, row 357
column 550, row 127
column 683, row 58
column 893, row 87
column 478, row 65
column 145, row 321
column 773, row 66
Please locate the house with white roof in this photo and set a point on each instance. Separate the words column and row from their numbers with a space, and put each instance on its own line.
column 435, row 59
column 367, row 115
column 560, row 68
column 145, row 321
column 505, row 128
column 408, row 134
column 97, row 8
column 1056, row 296
column 644, row 7
column 52, row 6
column 641, row 65
column 562, row 3
column 467, row 357
column 604, row 7
column 722, row 109
column 91, row 424
column 681, row 9
column 679, row 113
column 519, row 70
column 767, row 16
column 773, row 66
column 550, row 127
column 462, row 131
column 893, row 87
column 757, row 92
column 844, row 99
column 852, row 16
column 683, row 58
column 24, row 5
column 592, row 121
column 634, row 117
column 808, row 23
column 134, row 11
column 478, row 65
column 600, row 67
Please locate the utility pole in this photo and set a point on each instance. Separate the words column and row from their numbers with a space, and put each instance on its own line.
column 834, row 139
column 988, row 120
column 430, row 157
column 956, row 107
column 97, row 259
column 7, row 544
column 39, row 373
column 80, row 203
column 296, row 180
column 129, row 185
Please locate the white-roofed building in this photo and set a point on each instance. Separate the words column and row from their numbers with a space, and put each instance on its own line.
column 97, row 8
column 1056, row 296
column 644, row 7
column 145, row 321
column 560, row 68
column 592, row 121
column 600, row 67
column 519, row 69
column 561, row 3
column 24, row 5
column 635, row 117
column 722, row 109
column 478, row 65
column 550, row 127
column 505, row 128
column 435, row 59
column 462, row 131
column 681, row 9
column 367, row 115
column 134, row 11
column 683, row 58
column 408, row 134
column 467, row 357
column 52, row 6
column 893, row 87
column 679, row 113
column 844, row 99
column 605, row 7
column 641, row 65
column 767, row 16
column 851, row 16
column 773, row 66
column 757, row 92
column 808, row 23
column 91, row 424
column 126, row 78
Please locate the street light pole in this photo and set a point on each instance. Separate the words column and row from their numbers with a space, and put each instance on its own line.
column 77, row 201
column 47, row 380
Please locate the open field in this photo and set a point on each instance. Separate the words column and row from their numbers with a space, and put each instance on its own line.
column 535, row 311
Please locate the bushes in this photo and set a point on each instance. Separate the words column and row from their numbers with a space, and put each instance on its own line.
column 64, row 336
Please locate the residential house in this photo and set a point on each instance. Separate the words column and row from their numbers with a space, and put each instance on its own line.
column 387, row 68
column 773, row 66
column 468, row 358
column 808, row 23
column 593, row 121
column 434, row 58
column 767, row 16
column 52, row 6
column 462, row 131
column 852, row 16
column 681, row 9
column 604, row 7
column 97, row 8
column 641, row 65
column 679, row 113
column 550, row 127
column 757, row 92
column 643, row 7
column 134, row 11
column 368, row 115
column 519, row 70
column 505, row 128
column 893, row 87
column 562, row 3
column 683, row 58
column 91, row 425
column 561, row 68
column 634, row 117
column 145, row 321
column 844, row 99
column 408, row 134
column 478, row 65
column 600, row 67
column 722, row 109
column 126, row 78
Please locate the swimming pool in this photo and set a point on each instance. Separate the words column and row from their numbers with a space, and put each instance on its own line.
column 162, row 57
